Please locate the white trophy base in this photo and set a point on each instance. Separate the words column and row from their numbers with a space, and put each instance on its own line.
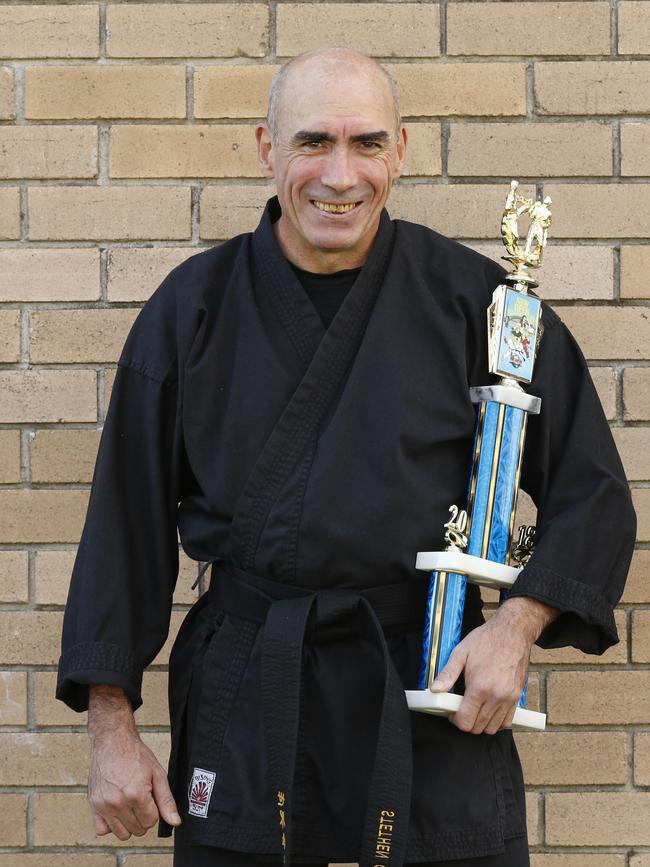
column 477, row 570
column 510, row 396
column 445, row 703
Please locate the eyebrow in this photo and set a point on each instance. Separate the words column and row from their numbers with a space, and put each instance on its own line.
column 305, row 135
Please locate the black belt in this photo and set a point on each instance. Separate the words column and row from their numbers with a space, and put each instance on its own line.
column 284, row 609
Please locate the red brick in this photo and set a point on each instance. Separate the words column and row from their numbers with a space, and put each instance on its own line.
column 633, row 27
column 636, row 393
column 573, row 758
column 413, row 30
column 633, row 444
column 540, row 28
column 592, row 87
column 40, row 30
column 533, row 149
column 9, row 212
column 635, row 271
column 568, row 272
column 642, row 759
column 641, row 636
column 95, row 91
column 598, row 819
column 33, row 515
column 13, row 699
column 187, row 30
column 9, row 457
column 641, row 500
column 637, row 587
column 610, row 332
column 6, row 93
column 600, row 210
column 88, row 213
column 13, row 576
column 470, row 89
column 13, row 819
column 598, row 697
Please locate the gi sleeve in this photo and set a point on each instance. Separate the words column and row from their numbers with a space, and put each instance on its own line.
column 586, row 523
column 119, row 601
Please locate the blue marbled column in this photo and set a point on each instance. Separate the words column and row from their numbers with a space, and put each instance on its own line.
column 491, row 502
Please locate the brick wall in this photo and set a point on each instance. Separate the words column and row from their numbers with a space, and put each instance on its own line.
column 126, row 144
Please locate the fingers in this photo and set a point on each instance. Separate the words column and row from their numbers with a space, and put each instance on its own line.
column 507, row 721
column 465, row 716
column 496, row 723
column 451, row 672
column 105, row 823
column 101, row 826
column 483, row 710
column 139, row 812
column 146, row 812
column 121, row 811
column 125, row 784
column 164, row 799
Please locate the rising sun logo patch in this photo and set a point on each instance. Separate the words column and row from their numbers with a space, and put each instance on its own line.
column 200, row 791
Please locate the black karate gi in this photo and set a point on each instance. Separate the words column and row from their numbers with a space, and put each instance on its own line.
column 311, row 465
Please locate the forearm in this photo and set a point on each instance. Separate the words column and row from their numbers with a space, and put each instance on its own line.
column 109, row 710
column 527, row 614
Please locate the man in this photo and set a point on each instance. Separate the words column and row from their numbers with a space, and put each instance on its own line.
column 296, row 402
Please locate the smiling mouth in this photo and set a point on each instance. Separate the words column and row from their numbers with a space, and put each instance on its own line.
column 333, row 208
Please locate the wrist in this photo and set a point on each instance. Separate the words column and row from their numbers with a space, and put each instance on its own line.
column 531, row 615
column 109, row 711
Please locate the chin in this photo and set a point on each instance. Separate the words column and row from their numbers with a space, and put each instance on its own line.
column 332, row 241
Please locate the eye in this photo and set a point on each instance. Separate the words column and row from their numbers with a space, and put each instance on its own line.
column 370, row 145
column 312, row 144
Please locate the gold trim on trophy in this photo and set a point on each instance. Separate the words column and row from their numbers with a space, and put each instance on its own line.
column 477, row 452
column 522, row 437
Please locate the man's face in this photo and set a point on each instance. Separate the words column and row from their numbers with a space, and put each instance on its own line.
column 334, row 162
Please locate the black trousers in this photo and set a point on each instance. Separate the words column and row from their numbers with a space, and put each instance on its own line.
column 516, row 855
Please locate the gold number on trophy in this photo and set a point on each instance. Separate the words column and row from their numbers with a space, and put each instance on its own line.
column 523, row 548
column 455, row 528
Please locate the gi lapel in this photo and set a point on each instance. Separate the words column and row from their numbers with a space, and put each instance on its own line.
column 273, row 274
column 327, row 358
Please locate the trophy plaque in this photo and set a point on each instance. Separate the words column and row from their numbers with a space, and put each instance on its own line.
column 479, row 538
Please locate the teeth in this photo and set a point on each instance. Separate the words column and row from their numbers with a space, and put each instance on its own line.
column 334, row 209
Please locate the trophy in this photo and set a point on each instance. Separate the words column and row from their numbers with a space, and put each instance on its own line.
column 479, row 538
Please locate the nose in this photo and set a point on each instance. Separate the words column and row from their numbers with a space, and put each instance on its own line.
column 339, row 173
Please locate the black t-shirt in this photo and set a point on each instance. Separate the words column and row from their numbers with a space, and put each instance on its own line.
column 327, row 291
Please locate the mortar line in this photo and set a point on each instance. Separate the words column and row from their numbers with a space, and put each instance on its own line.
column 103, row 32
column 613, row 21
column 443, row 28
column 29, row 820
column 616, row 149
column 530, row 91
column 273, row 32
column 19, row 93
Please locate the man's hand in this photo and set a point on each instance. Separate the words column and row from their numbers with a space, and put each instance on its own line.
column 127, row 786
column 495, row 658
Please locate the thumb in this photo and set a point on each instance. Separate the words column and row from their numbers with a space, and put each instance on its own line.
column 164, row 799
column 451, row 672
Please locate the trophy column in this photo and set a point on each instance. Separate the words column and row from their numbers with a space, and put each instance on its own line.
column 479, row 539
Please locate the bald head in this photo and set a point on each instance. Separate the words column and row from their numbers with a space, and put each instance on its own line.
column 329, row 66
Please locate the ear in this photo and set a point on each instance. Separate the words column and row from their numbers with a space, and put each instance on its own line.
column 401, row 151
column 264, row 150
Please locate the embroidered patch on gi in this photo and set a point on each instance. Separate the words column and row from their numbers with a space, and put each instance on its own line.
column 200, row 791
